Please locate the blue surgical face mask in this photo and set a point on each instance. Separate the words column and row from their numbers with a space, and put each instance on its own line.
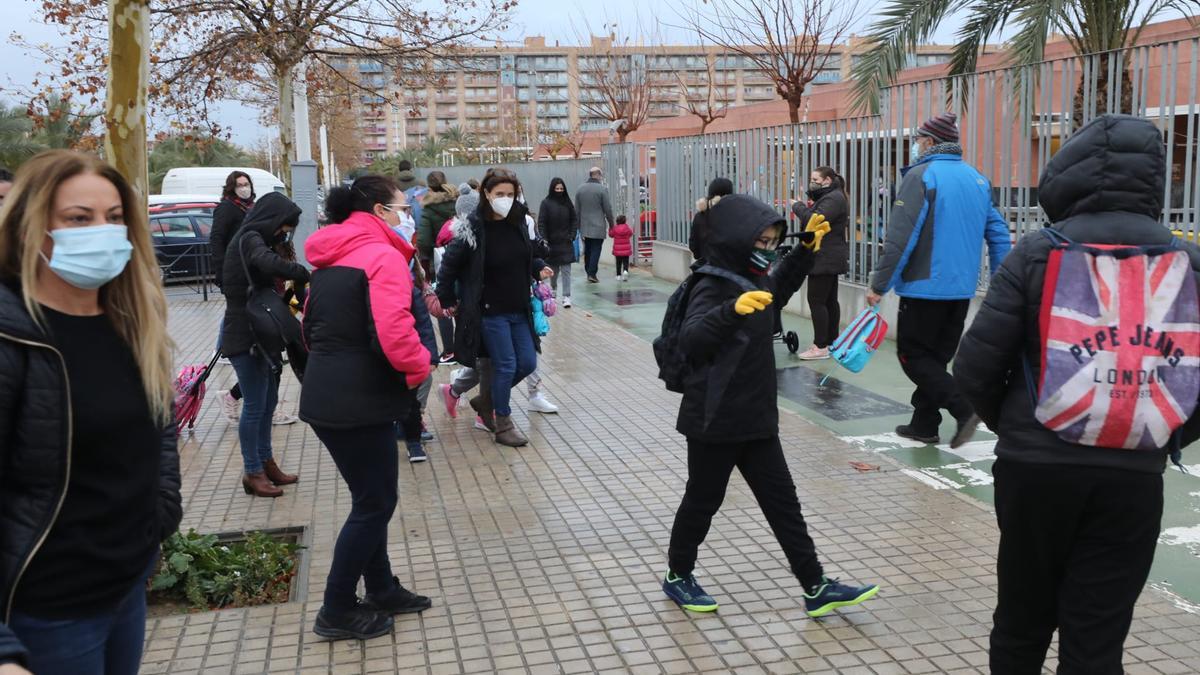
column 914, row 153
column 89, row 257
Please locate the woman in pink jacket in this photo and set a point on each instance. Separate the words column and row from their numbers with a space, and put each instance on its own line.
column 365, row 360
column 622, row 236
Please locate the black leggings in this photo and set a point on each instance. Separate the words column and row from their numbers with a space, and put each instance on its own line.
column 826, row 312
column 622, row 263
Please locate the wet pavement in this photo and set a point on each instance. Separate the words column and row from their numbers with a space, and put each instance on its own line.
column 548, row 558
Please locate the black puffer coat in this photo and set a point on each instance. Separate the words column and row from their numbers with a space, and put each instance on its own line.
column 35, row 446
column 1105, row 186
column 460, row 280
column 730, row 393
column 834, row 256
column 271, row 213
column 558, row 224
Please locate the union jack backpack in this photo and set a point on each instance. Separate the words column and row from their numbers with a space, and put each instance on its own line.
column 1120, row 344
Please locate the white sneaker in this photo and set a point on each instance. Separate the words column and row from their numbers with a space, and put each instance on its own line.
column 567, row 301
column 538, row 403
column 625, row 276
column 230, row 406
column 281, row 418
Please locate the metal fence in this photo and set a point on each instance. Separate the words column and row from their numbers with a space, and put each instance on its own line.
column 186, row 267
column 629, row 177
column 534, row 176
column 1011, row 122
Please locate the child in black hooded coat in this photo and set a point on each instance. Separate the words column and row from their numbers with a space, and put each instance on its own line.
column 729, row 412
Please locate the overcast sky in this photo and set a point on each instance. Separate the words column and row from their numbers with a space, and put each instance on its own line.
column 554, row 19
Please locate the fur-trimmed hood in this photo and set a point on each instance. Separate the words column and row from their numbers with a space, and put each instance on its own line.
column 462, row 229
column 703, row 204
column 448, row 193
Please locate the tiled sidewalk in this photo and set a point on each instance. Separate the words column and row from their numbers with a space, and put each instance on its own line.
column 548, row 559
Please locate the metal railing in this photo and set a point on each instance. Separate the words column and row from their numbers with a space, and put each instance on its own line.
column 534, row 176
column 1011, row 122
column 186, row 266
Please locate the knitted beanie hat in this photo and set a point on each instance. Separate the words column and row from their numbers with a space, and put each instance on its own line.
column 942, row 128
column 466, row 204
column 464, row 188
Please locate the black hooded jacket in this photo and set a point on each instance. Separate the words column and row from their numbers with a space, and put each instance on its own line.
column 730, row 393
column 1105, row 186
column 253, row 244
column 460, row 278
column 226, row 223
column 558, row 223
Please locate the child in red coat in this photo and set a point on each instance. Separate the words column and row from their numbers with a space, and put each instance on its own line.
column 622, row 236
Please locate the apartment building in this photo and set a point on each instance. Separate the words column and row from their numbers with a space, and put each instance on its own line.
column 511, row 95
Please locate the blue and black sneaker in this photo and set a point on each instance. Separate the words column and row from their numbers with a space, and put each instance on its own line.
column 426, row 434
column 416, row 452
column 687, row 593
column 832, row 594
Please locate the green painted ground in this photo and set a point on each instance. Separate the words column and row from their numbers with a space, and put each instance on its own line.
column 638, row 305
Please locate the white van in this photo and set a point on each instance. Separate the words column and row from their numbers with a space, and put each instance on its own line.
column 210, row 180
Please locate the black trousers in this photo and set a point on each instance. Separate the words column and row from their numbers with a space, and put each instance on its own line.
column 766, row 472
column 368, row 461
column 927, row 335
column 1076, row 545
column 824, row 307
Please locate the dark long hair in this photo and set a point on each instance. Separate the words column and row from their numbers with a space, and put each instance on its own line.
column 495, row 176
column 230, row 191
column 829, row 172
column 362, row 195
column 564, row 196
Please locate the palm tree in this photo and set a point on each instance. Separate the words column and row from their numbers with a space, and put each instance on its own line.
column 16, row 141
column 188, row 150
column 1100, row 27
column 459, row 141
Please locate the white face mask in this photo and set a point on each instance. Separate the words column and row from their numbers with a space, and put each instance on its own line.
column 244, row 193
column 914, row 152
column 407, row 226
column 501, row 205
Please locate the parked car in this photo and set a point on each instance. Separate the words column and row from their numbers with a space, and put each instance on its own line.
column 180, row 234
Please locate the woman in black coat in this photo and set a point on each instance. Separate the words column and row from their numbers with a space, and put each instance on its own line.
column 558, row 225
column 485, row 277
column 827, row 196
column 89, row 471
column 236, row 199
column 252, row 258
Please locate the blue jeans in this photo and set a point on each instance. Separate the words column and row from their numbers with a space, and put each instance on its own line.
column 508, row 339
column 369, row 462
column 260, row 393
column 107, row 644
column 591, row 255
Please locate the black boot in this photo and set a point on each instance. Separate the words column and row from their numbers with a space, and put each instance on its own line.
column 397, row 600
column 359, row 623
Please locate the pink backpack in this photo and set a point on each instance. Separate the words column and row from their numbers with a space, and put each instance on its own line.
column 445, row 234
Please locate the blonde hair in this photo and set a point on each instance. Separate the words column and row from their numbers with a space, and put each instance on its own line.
column 134, row 301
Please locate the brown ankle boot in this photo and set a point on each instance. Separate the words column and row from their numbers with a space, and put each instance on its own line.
column 276, row 474
column 507, row 433
column 484, row 410
column 257, row 484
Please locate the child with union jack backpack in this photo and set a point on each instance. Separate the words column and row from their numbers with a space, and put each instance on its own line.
column 1085, row 360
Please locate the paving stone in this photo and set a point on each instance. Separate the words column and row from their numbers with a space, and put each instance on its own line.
column 549, row 558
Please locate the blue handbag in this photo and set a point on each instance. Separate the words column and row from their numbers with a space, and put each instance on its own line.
column 576, row 244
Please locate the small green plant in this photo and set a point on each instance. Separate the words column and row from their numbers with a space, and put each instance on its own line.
column 210, row 575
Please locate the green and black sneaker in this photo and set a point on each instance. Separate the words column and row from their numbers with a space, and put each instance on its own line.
column 687, row 593
column 833, row 594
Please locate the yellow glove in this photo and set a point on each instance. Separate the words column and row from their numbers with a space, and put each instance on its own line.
column 751, row 302
column 819, row 229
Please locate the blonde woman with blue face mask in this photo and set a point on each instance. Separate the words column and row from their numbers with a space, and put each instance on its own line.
column 89, row 473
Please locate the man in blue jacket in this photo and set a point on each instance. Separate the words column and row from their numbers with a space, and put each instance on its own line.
column 931, row 257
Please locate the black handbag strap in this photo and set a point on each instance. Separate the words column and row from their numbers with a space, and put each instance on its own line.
column 242, row 257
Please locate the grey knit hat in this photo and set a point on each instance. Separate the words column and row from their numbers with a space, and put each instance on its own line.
column 466, row 204
column 464, row 188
